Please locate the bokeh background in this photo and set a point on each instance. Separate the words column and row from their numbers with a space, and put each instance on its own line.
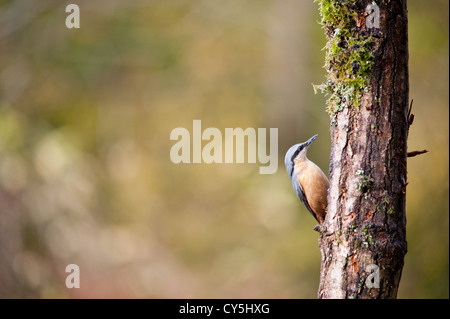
column 85, row 172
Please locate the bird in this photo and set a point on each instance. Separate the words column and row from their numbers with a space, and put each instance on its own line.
column 309, row 181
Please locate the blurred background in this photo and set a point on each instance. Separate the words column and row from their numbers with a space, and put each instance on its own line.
column 85, row 172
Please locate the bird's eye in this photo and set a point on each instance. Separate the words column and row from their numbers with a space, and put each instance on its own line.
column 299, row 149
column 294, row 155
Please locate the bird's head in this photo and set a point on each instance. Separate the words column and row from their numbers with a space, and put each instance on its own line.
column 297, row 152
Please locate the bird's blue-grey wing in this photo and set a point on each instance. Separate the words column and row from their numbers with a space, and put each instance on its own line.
column 301, row 194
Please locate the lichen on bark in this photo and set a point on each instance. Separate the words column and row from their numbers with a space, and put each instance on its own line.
column 349, row 58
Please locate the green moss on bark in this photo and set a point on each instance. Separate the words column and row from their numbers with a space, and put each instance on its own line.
column 349, row 57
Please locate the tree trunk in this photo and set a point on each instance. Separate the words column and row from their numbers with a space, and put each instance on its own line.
column 364, row 244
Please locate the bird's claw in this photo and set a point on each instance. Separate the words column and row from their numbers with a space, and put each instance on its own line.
column 319, row 228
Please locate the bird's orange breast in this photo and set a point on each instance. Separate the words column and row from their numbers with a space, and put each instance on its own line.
column 315, row 186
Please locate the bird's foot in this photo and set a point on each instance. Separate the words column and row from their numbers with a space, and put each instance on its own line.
column 321, row 229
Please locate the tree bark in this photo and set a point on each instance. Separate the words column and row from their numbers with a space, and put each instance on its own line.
column 364, row 244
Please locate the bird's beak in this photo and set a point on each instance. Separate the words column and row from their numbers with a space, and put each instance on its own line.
column 308, row 142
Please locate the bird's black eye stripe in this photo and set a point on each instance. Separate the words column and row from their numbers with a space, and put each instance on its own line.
column 299, row 149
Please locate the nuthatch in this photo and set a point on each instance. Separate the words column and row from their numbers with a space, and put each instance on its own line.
column 310, row 183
